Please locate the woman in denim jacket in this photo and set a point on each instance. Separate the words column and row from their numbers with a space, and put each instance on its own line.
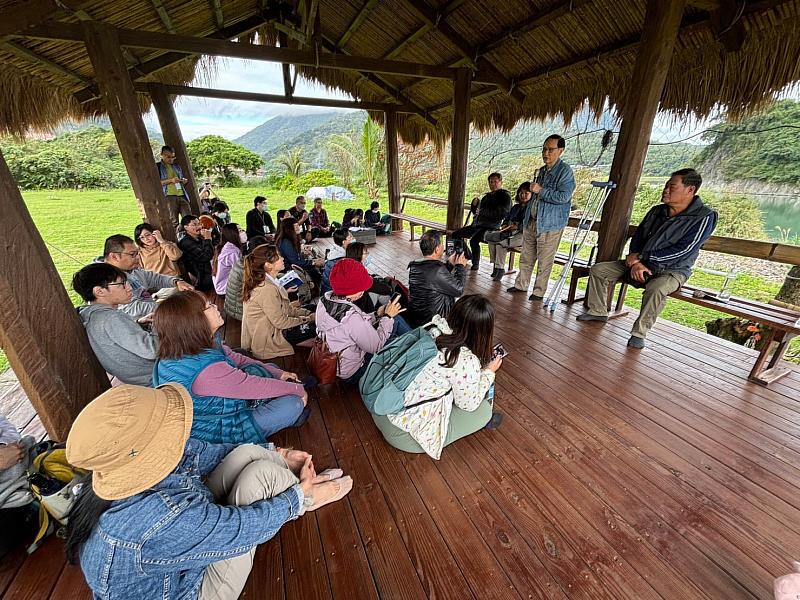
column 162, row 515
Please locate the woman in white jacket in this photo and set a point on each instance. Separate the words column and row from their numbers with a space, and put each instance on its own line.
column 452, row 396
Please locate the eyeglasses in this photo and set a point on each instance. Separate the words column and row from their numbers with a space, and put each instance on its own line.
column 549, row 149
column 125, row 283
column 132, row 254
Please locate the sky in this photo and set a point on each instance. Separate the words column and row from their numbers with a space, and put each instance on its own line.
column 232, row 118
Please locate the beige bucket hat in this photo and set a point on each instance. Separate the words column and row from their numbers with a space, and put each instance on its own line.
column 131, row 437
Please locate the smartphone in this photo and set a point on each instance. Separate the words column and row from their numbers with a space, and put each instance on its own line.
column 396, row 297
column 499, row 351
column 450, row 247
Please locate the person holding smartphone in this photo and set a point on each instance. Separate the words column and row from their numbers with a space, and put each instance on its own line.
column 453, row 395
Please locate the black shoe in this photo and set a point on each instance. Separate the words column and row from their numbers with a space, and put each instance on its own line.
column 535, row 298
column 302, row 418
column 589, row 317
column 515, row 290
column 495, row 421
column 636, row 342
column 494, row 273
column 475, row 266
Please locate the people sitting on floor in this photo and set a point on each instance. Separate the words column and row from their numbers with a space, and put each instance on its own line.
column 233, row 296
column 372, row 218
column 453, row 395
column 382, row 287
column 236, row 399
column 198, row 251
column 294, row 254
column 353, row 217
column 434, row 285
column 341, row 239
column 661, row 255
column 546, row 216
column 125, row 350
column 258, row 220
column 300, row 214
column 18, row 515
column 221, row 213
column 492, row 210
column 156, row 253
column 510, row 233
column 318, row 221
column 272, row 324
column 164, row 515
column 120, row 251
column 348, row 330
column 227, row 253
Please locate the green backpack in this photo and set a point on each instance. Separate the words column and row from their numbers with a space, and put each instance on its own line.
column 393, row 368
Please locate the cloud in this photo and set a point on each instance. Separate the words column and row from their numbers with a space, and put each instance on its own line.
column 232, row 118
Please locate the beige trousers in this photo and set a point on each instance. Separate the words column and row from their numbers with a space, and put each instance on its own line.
column 541, row 248
column 248, row 474
column 498, row 248
column 605, row 274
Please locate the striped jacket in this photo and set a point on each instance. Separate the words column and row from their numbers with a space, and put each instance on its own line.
column 672, row 243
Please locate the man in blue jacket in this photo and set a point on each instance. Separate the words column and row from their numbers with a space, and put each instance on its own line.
column 546, row 216
column 663, row 249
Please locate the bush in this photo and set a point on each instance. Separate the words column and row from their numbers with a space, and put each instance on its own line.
column 317, row 177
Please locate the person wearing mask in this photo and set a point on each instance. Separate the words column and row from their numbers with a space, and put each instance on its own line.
column 348, row 330
column 434, row 285
column 341, row 239
column 510, row 233
column 236, row 399
column 156, row 253
column 164, row 515
column 125, row 350
column 289, row 246
column 372, row 218
column 172, row 184
column 272, row 324
column 221, row 213
column 353, row 218
column 492, row 210
column 259, row 222
column 546, row 216
column 300, row 214
column 198, row 252
column 452, row 397
column 318, row 220
column 381, row 291
column 120, row 251
column 227, row 254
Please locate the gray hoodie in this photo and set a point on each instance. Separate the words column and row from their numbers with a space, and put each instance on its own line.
column 121, row 345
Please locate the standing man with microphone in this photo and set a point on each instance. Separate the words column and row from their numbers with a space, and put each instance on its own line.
column 546, row 216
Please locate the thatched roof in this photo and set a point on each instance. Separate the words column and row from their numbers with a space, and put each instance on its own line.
column 549, row 57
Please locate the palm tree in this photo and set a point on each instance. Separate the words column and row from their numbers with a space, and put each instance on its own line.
column 371, row 142
column 343, row 155
column 291, row 161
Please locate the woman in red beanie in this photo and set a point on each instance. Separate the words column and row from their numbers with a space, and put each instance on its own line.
column 348, row 330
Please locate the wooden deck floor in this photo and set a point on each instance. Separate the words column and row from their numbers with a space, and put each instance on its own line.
column 616, row 474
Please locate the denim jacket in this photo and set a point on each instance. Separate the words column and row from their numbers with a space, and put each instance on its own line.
column 157, row 544
column 162, row 174
column 555, row 199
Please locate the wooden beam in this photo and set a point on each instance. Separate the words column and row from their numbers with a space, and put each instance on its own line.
column 469, row 52
column 661, row 27
column 217, row 47
column 392, row 165
column 40, row 331
column 185, row 90
column 728, row 26
column 288, row 86
column 30, row 13
column 29, row 55
column 120, row 102
column 483, row 94
column 158, row 5
column 171, row 130
column 407, row 41
column 216, row 9
column 459, row 149
column 535, row 22
column 357, row 22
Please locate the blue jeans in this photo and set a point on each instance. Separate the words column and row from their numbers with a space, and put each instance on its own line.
column 278, row 413
column 400, row 327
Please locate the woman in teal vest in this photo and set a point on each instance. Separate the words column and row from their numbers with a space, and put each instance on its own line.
column 236, row 399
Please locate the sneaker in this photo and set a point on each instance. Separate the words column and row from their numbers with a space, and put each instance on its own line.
column 495, row 421
column 636, row 342
column 499, row 274
column 589, row 317
column 515, row 290
column 535, row 298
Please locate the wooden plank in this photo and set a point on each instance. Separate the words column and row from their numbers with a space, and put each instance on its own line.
column 40, row 331
column 357, row 22
column 39, row 573
column 266, row 578
column 459, row 148
column 71, row 584
column 392, row 165
column 9, row 567
column 661, row 25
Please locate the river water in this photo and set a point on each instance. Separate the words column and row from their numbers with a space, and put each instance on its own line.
column 780, row 212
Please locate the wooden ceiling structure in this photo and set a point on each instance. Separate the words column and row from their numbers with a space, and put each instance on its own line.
column 425, row 68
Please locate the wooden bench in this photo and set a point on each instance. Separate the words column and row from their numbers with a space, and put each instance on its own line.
column 419, row 221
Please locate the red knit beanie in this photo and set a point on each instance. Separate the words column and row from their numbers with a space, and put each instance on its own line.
column 349, row 277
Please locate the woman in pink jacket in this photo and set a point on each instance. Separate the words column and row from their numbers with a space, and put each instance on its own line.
column 227, row 254
column 348, row 330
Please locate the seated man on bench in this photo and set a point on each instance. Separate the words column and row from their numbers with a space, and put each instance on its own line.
column 663, row 249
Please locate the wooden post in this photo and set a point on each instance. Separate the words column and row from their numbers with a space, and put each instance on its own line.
column 459, row 148
column 39, row 329
column 173, row 137
column 661, row 24
column 393, row 166
column 120, row 102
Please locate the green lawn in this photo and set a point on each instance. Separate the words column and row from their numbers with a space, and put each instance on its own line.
column 74, row 224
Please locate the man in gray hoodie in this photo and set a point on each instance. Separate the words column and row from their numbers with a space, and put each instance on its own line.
column 122, row 346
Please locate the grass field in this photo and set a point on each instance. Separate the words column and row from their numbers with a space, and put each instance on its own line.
column 74, row 224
